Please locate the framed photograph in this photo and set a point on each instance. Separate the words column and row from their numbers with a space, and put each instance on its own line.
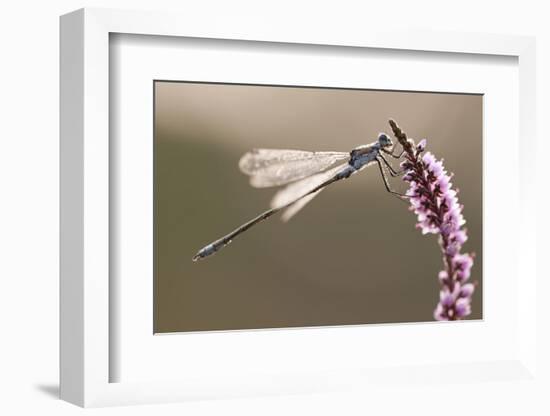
column 341, row 260
column 357, row 177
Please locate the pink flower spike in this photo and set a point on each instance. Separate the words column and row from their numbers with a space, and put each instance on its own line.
column 435, row 204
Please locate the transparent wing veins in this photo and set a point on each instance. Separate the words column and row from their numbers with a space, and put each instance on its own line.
column 297, row 189
column 275, row 167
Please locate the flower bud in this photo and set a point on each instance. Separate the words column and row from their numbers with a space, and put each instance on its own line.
column 467, row 290
column 462, row 307
column 421, row 145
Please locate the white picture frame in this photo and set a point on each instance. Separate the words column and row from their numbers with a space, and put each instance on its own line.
column 86, row 356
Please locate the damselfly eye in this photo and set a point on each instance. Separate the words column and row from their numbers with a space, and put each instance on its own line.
column 384, row 140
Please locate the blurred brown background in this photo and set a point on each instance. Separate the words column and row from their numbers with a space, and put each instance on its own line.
column 351, row 256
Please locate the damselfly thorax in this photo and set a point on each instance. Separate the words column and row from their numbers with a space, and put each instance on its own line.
column 304, row 175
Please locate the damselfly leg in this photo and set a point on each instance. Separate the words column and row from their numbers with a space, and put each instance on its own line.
column 391, row 152
column 402, row 197
column 392, row 170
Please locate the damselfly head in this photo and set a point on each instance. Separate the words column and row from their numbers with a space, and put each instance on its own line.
column 384, row 140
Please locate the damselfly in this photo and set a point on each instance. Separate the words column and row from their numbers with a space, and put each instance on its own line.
column 305, row 174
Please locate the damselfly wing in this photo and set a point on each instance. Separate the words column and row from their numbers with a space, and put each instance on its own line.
column 275, row 167
column 295, row 190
